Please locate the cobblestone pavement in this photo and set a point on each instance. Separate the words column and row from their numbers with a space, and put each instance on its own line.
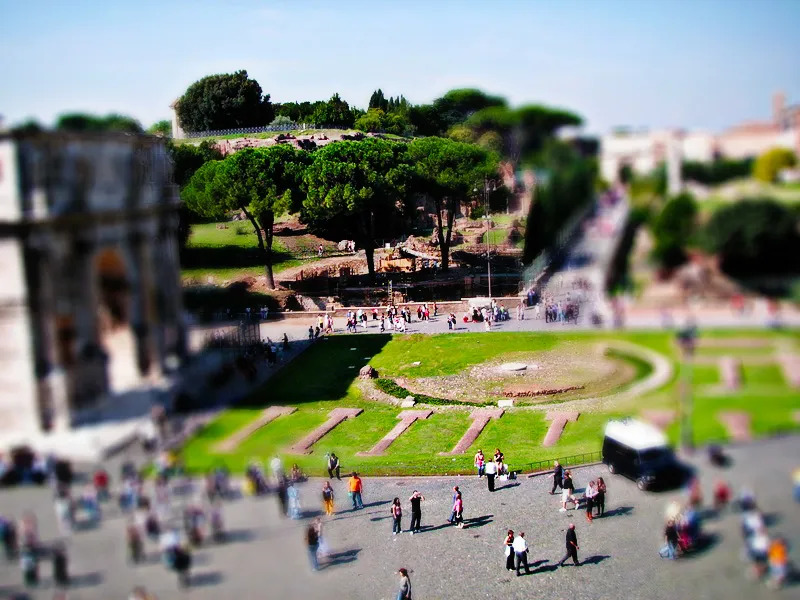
column 297, row 328
column 266, row 555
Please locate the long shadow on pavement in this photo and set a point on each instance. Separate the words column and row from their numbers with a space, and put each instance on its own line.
column 705, row 542
column 619, row 511
column 506, row 486
column 340, row 558
column 477, row 521
column 86, row 580
column 206, row 579
column 594, row 560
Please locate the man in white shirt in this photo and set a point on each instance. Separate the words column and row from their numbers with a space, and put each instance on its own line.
column 520, row 547
column 277, row 467
column 490, row 472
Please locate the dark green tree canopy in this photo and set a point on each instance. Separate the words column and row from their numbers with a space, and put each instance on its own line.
column 456, row 106
column 163, row 128
column 568, row 188
column 673, row 229
column 86, row 122
column 298, row 112
column 264, row 183
column 357, row 189
column 335, row 112
column 187, row 158
column 226, row 101
column 448, row 172
column 755, row 237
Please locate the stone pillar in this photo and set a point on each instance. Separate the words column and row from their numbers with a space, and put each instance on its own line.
column 51, row 380
column 170, row 281
column 674, row 163
column 143, row 319
column 90, row 374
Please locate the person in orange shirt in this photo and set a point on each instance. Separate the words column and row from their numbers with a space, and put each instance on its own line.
column 778, row 558
column 355, row 486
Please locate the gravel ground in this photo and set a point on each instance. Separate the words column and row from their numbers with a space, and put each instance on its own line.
column 266, row 556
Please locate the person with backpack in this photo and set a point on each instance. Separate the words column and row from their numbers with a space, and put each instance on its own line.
column 327, row 498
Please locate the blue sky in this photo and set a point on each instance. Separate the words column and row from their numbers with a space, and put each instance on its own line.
column 692, row 63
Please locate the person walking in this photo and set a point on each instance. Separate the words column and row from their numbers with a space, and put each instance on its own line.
column 458, row 511
column 356, row 488
column 60, row 571
column 404, row 593
column 312, row 541
column 334, row 467
column 397, row 516
column 327, row 498
column 558, row 477
column 572, row 547
column 452, row 519
column 567, row 492
column 416, row 500
column 670, row 549
column 491, row 472
column 509, row 545
column 589, row 495
column 480, row 463
column 600, row 498
column 520, row 547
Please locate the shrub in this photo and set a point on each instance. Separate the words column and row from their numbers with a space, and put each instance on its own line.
column 755, row 237
column 673, row 229
column 388, row 386
column 772, row 162
column 716, row 172
column 282, row 120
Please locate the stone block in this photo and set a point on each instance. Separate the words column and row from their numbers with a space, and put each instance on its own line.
column 505, row 403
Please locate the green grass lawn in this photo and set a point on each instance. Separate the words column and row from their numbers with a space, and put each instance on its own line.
column 227, row 253
column 325, row 377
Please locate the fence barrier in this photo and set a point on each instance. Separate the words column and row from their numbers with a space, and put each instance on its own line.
column 575, row 460
column 262, row 129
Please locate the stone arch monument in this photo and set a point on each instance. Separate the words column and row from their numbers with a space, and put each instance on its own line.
column 91, row 276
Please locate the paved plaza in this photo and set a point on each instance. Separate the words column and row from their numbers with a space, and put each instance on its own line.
column 266, row 556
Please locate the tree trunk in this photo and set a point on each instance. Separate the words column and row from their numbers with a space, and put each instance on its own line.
column 443, row 204
column 367, row 227
column 266, row 247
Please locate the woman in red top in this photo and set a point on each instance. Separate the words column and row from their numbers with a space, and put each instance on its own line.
column 397, row 514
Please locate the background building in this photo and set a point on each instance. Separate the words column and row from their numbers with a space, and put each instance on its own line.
column 643, row 151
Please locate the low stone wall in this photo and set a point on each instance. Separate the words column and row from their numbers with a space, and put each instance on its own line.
column 459, row 307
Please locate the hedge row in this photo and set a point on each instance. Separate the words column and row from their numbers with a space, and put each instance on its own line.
column 388, row 386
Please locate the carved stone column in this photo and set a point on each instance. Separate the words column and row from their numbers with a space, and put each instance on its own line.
column 90, row 376
column 51, row 381
column 144, row 320
column 173, row 291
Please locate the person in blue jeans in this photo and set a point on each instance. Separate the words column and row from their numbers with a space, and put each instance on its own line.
column 404, row 593
column 356, row 487
column 397, row 516
column 670, row 549
column 312, row 539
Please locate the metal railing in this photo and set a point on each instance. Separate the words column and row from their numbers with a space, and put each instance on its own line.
column 262, row 129
column 542, row 466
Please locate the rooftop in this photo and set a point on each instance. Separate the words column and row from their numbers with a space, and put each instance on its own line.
column 636, row 434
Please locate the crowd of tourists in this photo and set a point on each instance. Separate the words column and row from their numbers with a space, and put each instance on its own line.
column 155, row 521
